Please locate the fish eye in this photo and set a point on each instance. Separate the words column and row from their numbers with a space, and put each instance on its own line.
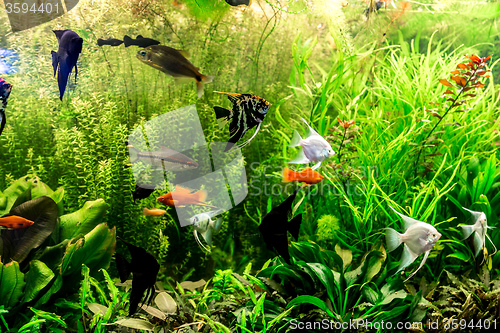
column 142, row 53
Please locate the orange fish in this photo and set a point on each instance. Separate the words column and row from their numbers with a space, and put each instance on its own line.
column 14, row 222
column 308, row 176
column 184, row 196
column 153, row 212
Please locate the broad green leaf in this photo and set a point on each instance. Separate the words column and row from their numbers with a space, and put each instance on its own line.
column 82, row 221
column 306, row 251
column 11, row 284
column 52, row 255
column 306, row 299
column 18, row 243
column 37, row 278
column 459, row 255
column 12, row 192
column 94, row 250
column 49, row 316
column 392, row 296
column 325, row 275
column 346, row 256
column 54, row 288
column 134, row 323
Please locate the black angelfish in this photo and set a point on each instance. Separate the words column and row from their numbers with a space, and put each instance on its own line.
column 139, row 41
column 144, row 268
column 248, row 111
column 141, row 192
column 109, row 41
column 275, row 225
column 63, row 61
column 5, row 89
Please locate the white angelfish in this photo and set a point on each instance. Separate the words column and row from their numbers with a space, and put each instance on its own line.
column 314, row 148
column 203, row 224
column 419, row 237
column 479, row 228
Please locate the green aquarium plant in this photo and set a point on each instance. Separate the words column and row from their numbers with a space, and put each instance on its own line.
column 327, row 280
column 46, row 258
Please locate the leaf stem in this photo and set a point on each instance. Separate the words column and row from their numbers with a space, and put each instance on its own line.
column 440, row 119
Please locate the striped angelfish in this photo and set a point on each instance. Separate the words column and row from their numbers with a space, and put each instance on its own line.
column 248, row 111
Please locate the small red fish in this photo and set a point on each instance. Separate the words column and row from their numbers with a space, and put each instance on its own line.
column 184, row 196
column 14, row 222
column 308, row 176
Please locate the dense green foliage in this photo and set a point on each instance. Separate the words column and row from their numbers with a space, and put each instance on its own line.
column 323, row 62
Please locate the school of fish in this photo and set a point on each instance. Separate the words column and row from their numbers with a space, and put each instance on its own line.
column 247, row 112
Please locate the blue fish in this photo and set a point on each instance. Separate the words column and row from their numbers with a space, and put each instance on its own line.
column 63, row 61
column 5, row 89
column 7, row 60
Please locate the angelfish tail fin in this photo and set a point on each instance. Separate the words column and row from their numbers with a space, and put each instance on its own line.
column 55, row 61
column 393, row 239
column 222, row 116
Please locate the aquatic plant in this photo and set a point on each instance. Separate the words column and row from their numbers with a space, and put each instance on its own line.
column 39, row 265
column 322, row 278
column 466, row 77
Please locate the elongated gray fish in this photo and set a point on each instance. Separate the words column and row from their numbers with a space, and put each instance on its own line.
column 5, row 89
column 63, row 61
column 173, row 62
column 419, row 237
column 166, row 158
column 248, row 111
column 479, row 228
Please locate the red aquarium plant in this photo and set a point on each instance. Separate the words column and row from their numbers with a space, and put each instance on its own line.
column 464, row 78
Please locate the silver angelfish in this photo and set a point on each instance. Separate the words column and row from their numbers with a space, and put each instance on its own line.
column 203, row 224
column 314, row 148
column 419, row 237
column 479, row 228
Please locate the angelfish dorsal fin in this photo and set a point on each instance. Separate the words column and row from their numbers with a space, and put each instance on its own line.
column 408, row 221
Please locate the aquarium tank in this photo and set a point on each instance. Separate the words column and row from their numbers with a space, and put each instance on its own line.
column 249, row 166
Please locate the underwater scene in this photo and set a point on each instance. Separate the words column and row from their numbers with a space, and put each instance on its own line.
column 249, row 166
